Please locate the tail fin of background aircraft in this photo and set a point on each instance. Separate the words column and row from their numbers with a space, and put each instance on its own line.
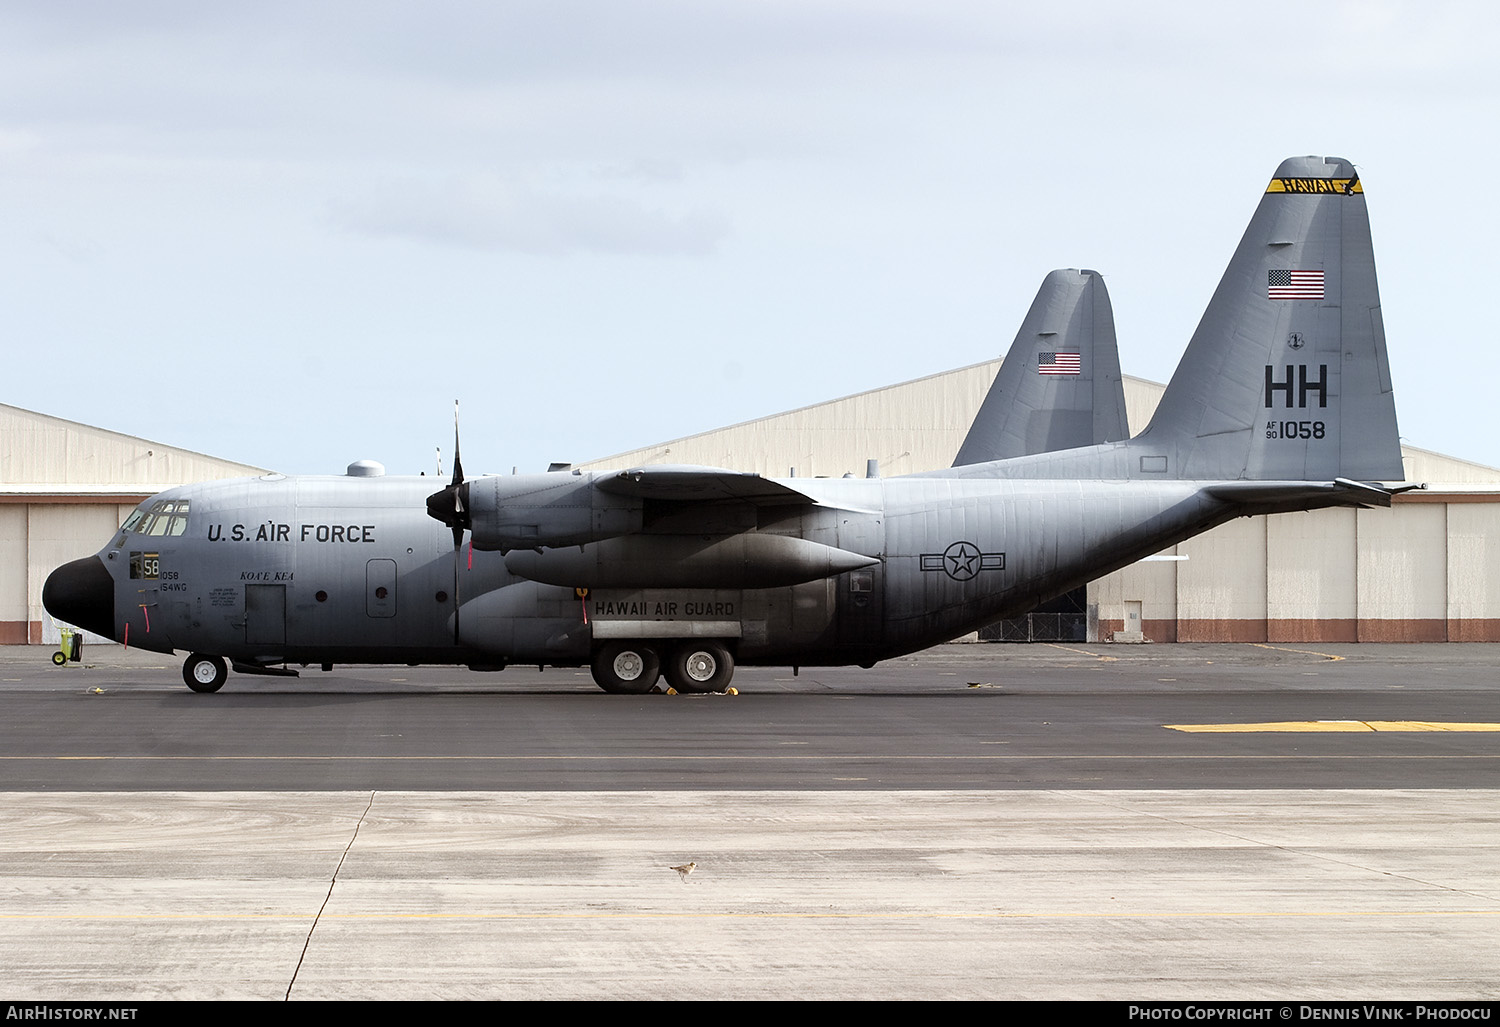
column 1059, row 386
column 1286, row 377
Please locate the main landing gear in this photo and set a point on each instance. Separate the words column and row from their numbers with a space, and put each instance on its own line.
column 631, row 667
column 205, row 673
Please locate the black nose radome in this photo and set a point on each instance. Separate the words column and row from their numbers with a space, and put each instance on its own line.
column 82, row 593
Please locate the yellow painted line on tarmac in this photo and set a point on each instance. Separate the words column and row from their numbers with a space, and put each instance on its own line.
column 1083, row 652
column 1284, row 649
column 1332, row 727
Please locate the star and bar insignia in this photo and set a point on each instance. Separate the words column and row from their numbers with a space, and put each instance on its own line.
column 962, row 561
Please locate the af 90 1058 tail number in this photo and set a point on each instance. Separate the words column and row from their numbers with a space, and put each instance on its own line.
column 1296, row 430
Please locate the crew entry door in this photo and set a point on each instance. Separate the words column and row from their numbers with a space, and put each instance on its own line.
column 265, row 614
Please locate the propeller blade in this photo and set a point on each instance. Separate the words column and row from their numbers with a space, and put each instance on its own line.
column 451, row 504
column 458, row 465
column 451, row 507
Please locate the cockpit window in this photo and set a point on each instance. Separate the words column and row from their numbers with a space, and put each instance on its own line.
column 166, row 517
column 160, row 517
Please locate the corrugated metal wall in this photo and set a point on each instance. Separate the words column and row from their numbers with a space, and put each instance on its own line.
column 1422, row 571
column 43, row 450
column 914, row 426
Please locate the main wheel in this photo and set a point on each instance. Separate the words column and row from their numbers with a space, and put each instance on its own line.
column 204, row 673
column 700, row 667
column 626, row 668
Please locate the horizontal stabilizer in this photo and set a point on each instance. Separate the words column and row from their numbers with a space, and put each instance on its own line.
column 1304, row 494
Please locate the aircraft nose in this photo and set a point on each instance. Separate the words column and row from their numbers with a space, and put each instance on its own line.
column 82, row 593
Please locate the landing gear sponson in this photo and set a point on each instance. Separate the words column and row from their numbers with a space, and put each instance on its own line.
column 631, row 666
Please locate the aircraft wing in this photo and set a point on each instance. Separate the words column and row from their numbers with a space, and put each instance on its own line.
column 701, row 484
column 549, row 510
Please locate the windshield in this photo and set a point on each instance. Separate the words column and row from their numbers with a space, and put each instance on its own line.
column 165, row 517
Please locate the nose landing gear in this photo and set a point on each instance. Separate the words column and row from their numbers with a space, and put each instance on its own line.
column 205, row 673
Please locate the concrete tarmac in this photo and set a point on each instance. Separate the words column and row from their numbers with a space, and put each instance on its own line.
column 1129, row 892
column 1138, row 895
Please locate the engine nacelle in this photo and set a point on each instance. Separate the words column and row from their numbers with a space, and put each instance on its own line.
column 749, row 560
column 530, row 511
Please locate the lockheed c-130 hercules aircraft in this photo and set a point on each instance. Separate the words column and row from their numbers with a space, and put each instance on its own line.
column 1281, row 402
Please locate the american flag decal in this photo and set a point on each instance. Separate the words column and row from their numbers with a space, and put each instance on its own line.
column 1283, row 284
column 1059, row 363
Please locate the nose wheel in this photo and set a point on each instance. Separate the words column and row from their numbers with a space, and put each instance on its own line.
column 205, row 673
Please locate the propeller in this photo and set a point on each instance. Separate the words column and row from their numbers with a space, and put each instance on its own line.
column 451, row 506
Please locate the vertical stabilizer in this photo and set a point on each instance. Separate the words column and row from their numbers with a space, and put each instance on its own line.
column 1286, row 377
column 1059, row 386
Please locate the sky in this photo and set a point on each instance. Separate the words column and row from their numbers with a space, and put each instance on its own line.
column 291, row 234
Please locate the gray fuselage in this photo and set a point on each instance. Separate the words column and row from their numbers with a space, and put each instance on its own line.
column 346, row 569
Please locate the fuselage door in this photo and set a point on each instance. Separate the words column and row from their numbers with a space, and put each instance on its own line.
column 380, row 588
column 265, row 614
